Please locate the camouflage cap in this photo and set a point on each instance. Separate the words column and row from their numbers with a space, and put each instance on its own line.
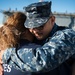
column 37, row 14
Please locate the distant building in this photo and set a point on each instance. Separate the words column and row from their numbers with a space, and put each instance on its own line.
column 6, row 13
column 62, row 19
column 65, row 19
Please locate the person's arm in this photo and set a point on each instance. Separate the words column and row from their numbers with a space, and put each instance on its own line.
column 58, row 49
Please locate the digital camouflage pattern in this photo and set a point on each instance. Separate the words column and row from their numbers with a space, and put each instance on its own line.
column 37, row 14
column 55, row 51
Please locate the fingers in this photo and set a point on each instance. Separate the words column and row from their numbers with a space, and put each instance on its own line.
column 1, row 53
column 1, row 67
column 1, row 61
column 1, row 70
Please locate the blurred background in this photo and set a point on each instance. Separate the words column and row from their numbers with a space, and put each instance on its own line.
column 64, row 10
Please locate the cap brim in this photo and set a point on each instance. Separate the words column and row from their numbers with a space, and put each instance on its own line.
column 35, row 22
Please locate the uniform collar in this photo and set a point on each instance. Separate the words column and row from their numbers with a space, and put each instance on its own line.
column 54, row 29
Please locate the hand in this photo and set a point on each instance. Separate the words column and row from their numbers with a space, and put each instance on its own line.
column 1, row 53
column 1, row 70
column 1, row 61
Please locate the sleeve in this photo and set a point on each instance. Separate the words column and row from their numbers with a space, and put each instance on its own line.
column 53, row 53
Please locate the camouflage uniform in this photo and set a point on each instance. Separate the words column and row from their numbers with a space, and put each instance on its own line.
column 58, row 47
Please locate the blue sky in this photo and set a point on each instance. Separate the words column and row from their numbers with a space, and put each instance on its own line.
column 57, row 5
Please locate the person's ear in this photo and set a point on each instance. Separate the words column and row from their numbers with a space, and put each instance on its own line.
column 52, row 20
